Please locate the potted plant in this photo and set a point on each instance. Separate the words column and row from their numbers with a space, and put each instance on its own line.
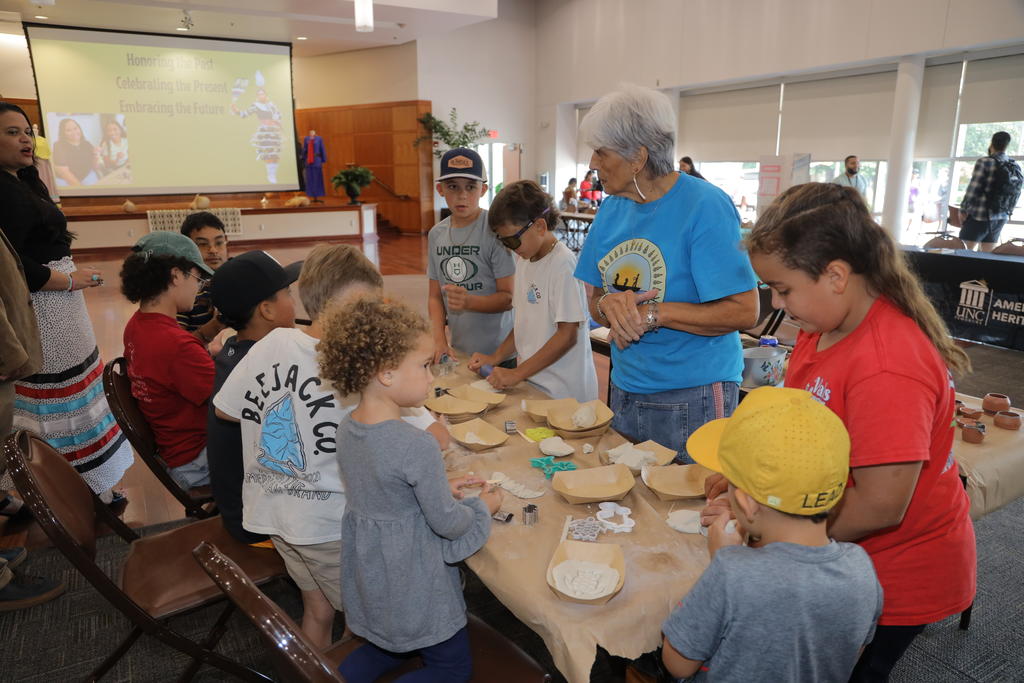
column 448, row 135
column 353, row 179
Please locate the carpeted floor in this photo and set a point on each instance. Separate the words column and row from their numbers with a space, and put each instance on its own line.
column 64, row 639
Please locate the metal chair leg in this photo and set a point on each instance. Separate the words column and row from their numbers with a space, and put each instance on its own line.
column 114, row 656
column 965, row 618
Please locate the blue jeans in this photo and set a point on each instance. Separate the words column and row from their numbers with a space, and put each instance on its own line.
column 447, row 662
column 192, row 474
column 669, row 417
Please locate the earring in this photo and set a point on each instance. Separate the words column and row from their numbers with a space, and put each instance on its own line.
column 637, row 187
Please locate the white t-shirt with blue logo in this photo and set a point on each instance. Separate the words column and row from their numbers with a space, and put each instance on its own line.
column 474, row 259
column 686, row 245
column 545, row 294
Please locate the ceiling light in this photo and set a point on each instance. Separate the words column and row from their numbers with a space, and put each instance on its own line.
column 40, row 16
column 302, row 38
column 186, row 21
column 364, row 16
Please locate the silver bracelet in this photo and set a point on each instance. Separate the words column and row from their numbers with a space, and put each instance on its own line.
column 651, row 318
column 71, row 282
column 599, row 311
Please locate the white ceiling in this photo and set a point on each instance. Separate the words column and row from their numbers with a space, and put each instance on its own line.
column 328, row 24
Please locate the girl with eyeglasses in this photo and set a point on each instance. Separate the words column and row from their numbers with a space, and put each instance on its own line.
column 171, row 372
column 550, row 335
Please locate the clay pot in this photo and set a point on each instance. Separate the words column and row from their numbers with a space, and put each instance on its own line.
column 966, row 421
column 1007, row 420
column 973, row 433
column 972, row 413
column 993, row 403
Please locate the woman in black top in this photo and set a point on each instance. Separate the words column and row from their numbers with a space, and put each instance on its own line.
column 64, row 401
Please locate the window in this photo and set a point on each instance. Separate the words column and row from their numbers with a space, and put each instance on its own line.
column 972, row 142
column 873, row 171
column 738, row 179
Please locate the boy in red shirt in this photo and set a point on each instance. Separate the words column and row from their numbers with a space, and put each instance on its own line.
column 171, row 372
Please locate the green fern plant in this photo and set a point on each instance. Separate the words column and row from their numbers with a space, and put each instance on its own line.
column 448, row 135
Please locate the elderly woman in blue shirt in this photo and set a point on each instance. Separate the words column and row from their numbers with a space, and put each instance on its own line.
column 670, row 277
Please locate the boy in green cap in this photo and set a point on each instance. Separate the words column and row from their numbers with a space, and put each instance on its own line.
column 170, row 370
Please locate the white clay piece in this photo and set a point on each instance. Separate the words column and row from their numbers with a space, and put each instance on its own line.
column 686, row 521
column 473, row 437
column 588, row 449
column 631, row 456
column 584, row 417
column 556, row 446
column 517, row 489
column 483, row 385
column 585, row 580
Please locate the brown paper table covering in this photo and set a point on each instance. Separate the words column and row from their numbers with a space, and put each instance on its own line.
column 661, row 563
column 994, row 469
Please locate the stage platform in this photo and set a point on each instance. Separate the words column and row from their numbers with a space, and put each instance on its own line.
column 106, row 226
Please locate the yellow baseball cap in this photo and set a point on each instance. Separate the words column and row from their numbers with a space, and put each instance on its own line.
column 782, row 447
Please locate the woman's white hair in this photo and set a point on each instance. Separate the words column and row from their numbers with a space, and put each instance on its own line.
column 630, row 118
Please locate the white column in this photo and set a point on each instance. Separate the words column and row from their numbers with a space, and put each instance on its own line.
column 674, row 97
column 906, row 104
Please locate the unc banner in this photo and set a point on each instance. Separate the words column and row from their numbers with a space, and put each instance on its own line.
column 980, row 296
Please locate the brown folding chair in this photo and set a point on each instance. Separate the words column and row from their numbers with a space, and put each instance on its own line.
column 158, row 578
column 768, row 317
column 945, row 242
column 198, row 502
column 496, row 659
column 1011, row 247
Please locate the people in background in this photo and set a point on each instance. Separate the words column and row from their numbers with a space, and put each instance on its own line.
column 63, row 401
column 872, row 346
column 207, row 231
column 170, row 371
column 668, row 279
column 551, row 336
column 570, row 197
column 686, row 166
column 786, row 459
column 403, row 529
column 469, row 272
column 851, row 176
column 587, row 187
column 113, row 147
column 991, row 195
column 76, row 161
column 252, row 295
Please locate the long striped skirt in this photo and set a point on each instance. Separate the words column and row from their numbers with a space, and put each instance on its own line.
column 64, row 401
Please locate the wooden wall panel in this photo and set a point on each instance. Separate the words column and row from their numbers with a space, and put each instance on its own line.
column 379, row 136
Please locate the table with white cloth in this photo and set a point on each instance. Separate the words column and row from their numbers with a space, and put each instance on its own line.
column 661, row 564
column 574, row 230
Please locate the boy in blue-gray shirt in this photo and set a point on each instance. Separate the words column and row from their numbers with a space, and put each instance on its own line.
column 469, row 272
column 798, row 606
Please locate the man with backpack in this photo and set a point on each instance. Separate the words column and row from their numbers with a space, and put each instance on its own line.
column 991, row 195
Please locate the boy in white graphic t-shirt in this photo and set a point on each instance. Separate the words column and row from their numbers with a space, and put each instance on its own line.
column 550, row 336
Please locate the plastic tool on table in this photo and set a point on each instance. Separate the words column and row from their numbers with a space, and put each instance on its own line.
column 485, row 370
column 549, row 466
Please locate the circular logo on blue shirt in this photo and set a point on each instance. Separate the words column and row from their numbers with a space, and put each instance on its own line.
column 635, row 265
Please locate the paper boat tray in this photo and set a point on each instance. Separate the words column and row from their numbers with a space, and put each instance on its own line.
column 560, row 417
column 469, row 393
column 491, row 435
column 594, row 484
column 599, row 553
column 450, row 405
column 663, row 455
column 538, row 409
column 676, row 482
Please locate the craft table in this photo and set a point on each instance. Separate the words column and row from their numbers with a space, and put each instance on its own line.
column 994, row 469
column 661, row 563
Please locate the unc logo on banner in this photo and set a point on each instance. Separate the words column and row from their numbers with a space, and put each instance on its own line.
column 973, row 307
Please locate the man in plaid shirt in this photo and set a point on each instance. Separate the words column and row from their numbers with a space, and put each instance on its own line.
column 982, row 224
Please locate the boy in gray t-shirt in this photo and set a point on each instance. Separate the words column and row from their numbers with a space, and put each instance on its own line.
column 798, row 606
column 470, row 273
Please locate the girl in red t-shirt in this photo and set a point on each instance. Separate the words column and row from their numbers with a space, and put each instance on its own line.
column 874, row 350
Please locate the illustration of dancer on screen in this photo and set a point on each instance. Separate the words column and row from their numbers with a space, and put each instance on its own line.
column 267, row 138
